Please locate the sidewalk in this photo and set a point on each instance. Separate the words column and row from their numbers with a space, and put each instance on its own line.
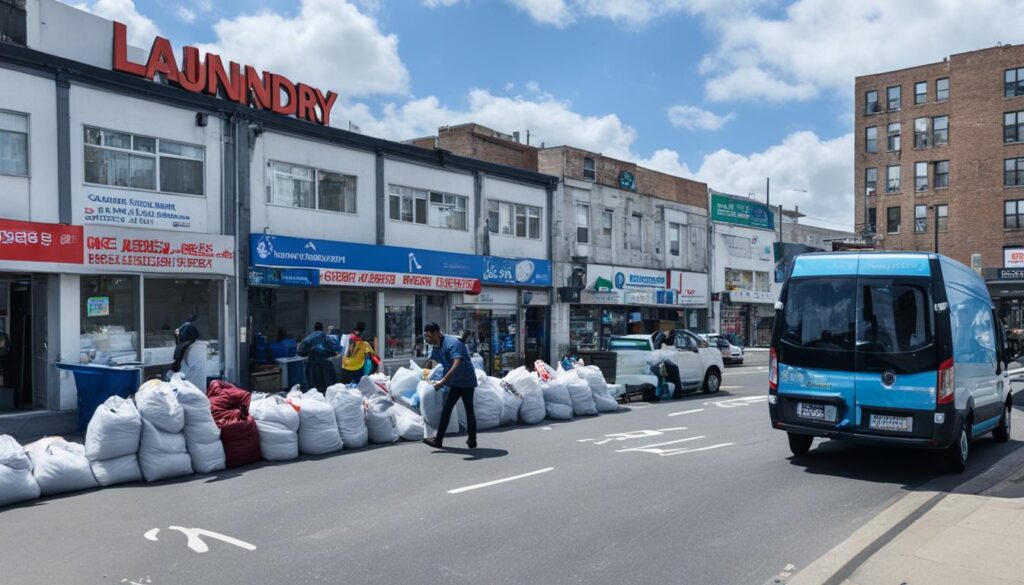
column 961, row 538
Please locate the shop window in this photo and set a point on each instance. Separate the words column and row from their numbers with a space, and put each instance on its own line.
column 109, row 319
column 120, row 159
column 405, row 314
column 278, row 320
column 168, row 302
column 582, row 224
column 13, row 144
column 509, row 219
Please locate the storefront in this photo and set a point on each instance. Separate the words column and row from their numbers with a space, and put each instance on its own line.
column 396, row 291
column 622, row 301
column 1006, row 285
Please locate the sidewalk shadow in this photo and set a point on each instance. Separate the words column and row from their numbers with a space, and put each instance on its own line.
column 477, row 454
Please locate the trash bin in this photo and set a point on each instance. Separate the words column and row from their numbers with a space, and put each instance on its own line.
column 293, row 371
column 97, row 383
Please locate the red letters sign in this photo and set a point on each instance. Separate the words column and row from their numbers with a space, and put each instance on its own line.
column 375, row 279
column 40, row 242
column 267, row 91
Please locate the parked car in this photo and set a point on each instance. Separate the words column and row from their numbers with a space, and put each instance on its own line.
column 732, row 355
column 890, row 348
column 628, row 361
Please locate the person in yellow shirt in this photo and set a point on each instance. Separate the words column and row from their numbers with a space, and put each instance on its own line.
column 357, row 351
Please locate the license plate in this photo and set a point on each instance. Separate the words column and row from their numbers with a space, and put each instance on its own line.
column 884, row 422
column 825, row 412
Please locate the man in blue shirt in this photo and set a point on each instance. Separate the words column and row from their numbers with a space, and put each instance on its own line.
column 459, row 376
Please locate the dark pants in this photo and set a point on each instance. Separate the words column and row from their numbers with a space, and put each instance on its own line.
column 320, row 374
column 351, row 376
column 672, row 373
column 454, row 394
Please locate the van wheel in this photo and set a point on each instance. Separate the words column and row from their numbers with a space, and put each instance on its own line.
column 800, row 444
column 712, row 381
column 959, row 451
column 1002, row 432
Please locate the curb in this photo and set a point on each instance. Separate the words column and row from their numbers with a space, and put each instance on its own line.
column 836, row 565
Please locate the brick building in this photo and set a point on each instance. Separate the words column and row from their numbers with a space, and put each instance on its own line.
column 939, row 159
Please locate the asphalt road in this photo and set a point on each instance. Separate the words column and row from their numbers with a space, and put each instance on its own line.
column 699, row 490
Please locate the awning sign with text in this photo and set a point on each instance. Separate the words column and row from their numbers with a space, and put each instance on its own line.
column 375, row 279
column 359, row 261
column 129, row 250
column 133, row 209
column 27, row 241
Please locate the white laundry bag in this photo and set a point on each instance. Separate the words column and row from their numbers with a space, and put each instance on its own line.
column 162, row 450
column 318, row 427
column 60, row 466
column 488, row 401
column 278, row 425
column 557, row 403
column 380, row 421
column 404, row 382
column 350, row 412
column 112, row 442
column 580, row 394
column 603, row 399
column 408, row 423
column 526, row 385
column 431, row 407
column 202, row 435
column 17, row 484
column 513, row 402
column 124, row 469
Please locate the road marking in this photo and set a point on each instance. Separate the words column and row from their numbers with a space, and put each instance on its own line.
column 584, row 440
column 671, row 429
column 633, row 435
column 681, row 451
column 497, row 481
column 195, row 541
column 758, row 371
column 734, row 402
column 686, row 412
column 646, row 447
column 729, row 387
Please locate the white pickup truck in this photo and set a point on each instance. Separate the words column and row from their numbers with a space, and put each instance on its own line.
column 700, row 366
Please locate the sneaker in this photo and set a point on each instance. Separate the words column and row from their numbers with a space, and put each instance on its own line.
column 433, row 443
column 471, row 444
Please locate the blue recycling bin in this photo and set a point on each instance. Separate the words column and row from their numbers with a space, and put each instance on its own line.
column 96, row 383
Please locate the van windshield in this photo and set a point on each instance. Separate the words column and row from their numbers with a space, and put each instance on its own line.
column 870, row 314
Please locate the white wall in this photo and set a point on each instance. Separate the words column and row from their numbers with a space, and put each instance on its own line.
column 510, row 246
column 411, row 235
column 759, row 239
column 70, row 328
column 32, row 198
column 360, row 227
column 111, row 111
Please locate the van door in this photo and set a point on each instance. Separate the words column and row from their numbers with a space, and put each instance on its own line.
column 896, row 356
column 975, row 357
column 687, row 357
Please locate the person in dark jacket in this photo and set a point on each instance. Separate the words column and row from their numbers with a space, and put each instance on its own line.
column 184, row 336
column 318, row 348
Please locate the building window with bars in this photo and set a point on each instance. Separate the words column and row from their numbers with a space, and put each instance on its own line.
column 941, row 174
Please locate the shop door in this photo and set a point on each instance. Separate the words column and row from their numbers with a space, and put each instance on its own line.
column 504, row 333
column 535, row 341
column 17, row 364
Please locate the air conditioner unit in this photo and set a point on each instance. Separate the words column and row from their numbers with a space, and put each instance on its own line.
column 869, row 191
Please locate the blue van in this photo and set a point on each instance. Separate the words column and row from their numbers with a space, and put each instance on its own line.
column 890, row 348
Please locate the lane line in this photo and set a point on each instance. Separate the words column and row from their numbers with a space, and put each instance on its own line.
column 686, row 412
column 746, row 373
column 661, row 444
column 680, row 452
column 671, row 429
column 497, row 481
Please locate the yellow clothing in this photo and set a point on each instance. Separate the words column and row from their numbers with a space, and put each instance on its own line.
column 355, row 357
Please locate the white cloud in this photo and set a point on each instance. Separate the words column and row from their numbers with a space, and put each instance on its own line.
column 694, row 118
column 554, row 12
column 819, row 46
column 186, row 14
column 141, row 30
column 437, row 3
column 329, row 44
column 822, row 168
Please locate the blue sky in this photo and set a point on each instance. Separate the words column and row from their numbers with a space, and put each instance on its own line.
column 724, row 91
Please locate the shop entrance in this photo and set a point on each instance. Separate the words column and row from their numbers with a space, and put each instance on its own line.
column 16, row 381
column 535, row 337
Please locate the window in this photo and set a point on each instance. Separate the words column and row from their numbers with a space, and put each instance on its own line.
column 589, row 169
column 921, row 92
column 1013, row 82
column 920, row 219
column 941, row 217
column 110, row 319
column 820, row 313
column 940, row 130
column 893, row 93
column 871, row 102
column 633, row 232
column 871, row 139
column 119, row 159
column 921, row 176
column 893, row 142
column 508, row 219
column 872, row 220
column 13, row 144
column 941, row 174
column 582, row 224
column 921, row 133
column 163, row 299
column 1013, row 215
column 892, row 179
column 870, row 180
column 892, row 220
column 292, row 185
column 336, row 192
column 894, row 316
column 1013, row 172
column 1013, row 127
column 675, row 238
column 606, row 223
column 432, row 208
column 942, row 89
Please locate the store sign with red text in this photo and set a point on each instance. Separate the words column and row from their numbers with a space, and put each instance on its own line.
column 133, row 250
column 208, row 74
column 375, row 279
column 26, row 241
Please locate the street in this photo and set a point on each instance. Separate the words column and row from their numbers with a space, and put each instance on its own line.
column 699, row 490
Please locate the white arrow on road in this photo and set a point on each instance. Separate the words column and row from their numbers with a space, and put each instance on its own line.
column 734, row 402
column 196, row 543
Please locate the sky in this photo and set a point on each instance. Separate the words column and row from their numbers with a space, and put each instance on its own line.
column 728, row 92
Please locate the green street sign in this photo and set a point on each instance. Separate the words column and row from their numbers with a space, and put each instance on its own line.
column 725, row 209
